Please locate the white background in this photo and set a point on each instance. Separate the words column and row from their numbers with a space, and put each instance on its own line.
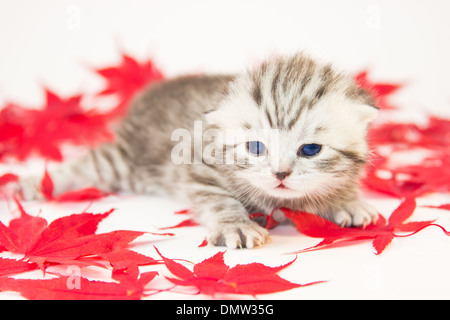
column 56, row 43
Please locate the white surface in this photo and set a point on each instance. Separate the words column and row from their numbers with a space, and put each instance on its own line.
column 53, row 43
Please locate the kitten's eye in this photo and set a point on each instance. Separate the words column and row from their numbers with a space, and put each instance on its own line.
column 310, row 150
column 256, row 147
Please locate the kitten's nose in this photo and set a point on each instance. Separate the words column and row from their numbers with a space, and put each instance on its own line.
column 281, row 175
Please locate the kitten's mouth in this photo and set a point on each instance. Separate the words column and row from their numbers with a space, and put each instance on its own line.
column 281, row 186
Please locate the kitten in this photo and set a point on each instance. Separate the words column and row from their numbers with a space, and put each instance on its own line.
column 301, row 144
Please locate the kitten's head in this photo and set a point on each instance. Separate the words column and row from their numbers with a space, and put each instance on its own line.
column 303, row 129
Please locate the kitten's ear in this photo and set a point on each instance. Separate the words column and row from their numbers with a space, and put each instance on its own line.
column 368, row 113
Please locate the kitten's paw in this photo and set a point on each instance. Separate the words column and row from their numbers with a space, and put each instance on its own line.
column 239, row 235
column 355, row 214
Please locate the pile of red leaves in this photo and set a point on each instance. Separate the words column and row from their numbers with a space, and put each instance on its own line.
column 389, row 139
column 25, row 132
column 72, row 242
column 432, row 174
column 213, row 276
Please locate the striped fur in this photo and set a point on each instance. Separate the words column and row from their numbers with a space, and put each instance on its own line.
column 285, row 103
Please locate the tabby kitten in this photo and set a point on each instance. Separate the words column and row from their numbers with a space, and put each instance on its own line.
column 301, row 144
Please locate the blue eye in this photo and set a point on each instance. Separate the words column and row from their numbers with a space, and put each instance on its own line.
column 310, row 150
column 256, row 147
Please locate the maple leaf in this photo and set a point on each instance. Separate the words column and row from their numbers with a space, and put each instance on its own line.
column 65, row 251
column 433, row 135
column 85, row 194
column 22, row 232
column 125, row 259
column 393, row 186
column 13, row 123
column 24, row 132
column 185, row 223
column 8, row 178
column 12, row 266
column 204, row 243
column 63, row 120
column 189, row 222
column 432, row 174
column 65, row 240
column 61, row 289
column 380, row 233
column 442, row 206
column 128, row 77
column 72, row 240
column 212, row 276
column 125, row 79
column 48, row 127
column 47, row 185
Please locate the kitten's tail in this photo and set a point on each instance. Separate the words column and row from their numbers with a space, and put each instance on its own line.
column 105, row 168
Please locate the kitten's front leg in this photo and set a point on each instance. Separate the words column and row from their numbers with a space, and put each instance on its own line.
column 228, row 222
column 356, row 213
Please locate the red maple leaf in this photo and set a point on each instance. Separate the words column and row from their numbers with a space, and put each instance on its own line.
column 124, row 259
column 13, row 122
column 85, row 194
column 381, row 233
column 64, row 120
column 404, row 179
column 128, row 288
column 66, row 240
column 442, row 206
column 8, row 178
column 212, row 276
column 392, row 185
column 127, row 78
column 12, row 266
column 72, row 240
column 25, row 132
column 432, row 175
column 185, row 223
column 22, row 232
